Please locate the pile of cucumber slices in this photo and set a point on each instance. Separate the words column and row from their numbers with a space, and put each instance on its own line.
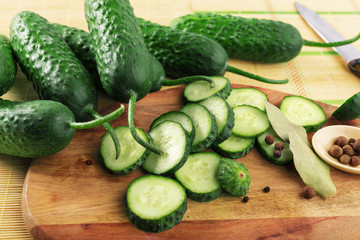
column 199, row 145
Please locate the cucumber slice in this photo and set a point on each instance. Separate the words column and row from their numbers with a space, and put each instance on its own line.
column 155, row 203
column 132, row 154
column 250, row 121
column 205, row 126
column 267, row 150
column 247, row 96
column 223, row 114
column 174, row 141
column 198, row 176
column 235, row 147
column 233, row 177
column 350, row 109
column 179, row 117
column 303, row 112
column 199, row 90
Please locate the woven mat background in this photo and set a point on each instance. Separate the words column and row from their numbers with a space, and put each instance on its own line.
column 316, row 73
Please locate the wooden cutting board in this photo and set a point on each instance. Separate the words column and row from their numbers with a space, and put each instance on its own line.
column 71, row 195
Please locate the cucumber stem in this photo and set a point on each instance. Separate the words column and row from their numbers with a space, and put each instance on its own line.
column 132, row 128
column 109, row 129
column 255, row 77
column 98, row 121
column 331, row 44
column 186, row 80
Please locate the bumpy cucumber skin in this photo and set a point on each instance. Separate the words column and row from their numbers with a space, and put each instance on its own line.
column 80, row 43
column 350, row 109
column 157, row 225
column 8, row 64
column 228, row 176
column 35, row 128
column 267, row 150
column 50, row 65
column 183, row 53
column 233, row 155
column 251, row 39
column 123, row 61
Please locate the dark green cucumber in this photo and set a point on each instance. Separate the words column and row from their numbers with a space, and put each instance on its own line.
column 198, row 176
column 233, row 177
column 267, row 149
column 54, row 70
column 253, row 39
column 8, row 65
column 132, row 154
column 350, row 109
column 155, row 203
column 38, row 128
column 234, row 147
column 303, row 112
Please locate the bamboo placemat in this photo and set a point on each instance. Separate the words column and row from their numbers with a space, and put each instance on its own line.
column 316, row 73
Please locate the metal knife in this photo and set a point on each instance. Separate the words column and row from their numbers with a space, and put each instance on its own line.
column 329, row 34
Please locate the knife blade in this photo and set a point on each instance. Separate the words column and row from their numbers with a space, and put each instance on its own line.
column 329, row 34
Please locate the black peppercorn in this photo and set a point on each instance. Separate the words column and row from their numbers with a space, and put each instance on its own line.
column 266, row 189
column 245, row 199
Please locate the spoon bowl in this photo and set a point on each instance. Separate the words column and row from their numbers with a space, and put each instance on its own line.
column 324, row 138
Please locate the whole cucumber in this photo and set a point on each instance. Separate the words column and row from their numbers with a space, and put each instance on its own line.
column 50, row 65
column 8, row 65
column 253, row 39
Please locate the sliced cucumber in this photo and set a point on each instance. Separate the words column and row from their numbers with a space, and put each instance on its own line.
column 233, row 177
column 247, row 96
column 350, row 109
column 223, row 114
column 267, row 150
column 205, row 126
column 198, row 176
column 132, row 154
column 303, row 112
column 234, row 147
column 179, row 117
column 199, row 90
column 250, row 121
column 174, row 141
column 155, row 203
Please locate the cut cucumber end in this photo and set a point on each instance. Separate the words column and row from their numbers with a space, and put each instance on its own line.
column 350, row 109
column 155, row 203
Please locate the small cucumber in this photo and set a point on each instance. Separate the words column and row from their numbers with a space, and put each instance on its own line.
column 234, row 147
column 233, row 177
column 132, row 154
column 155, row 203
column 198, row 176
column 8, row 65
column 205, row 126
column 200, row 90
column 247, row 96
column 303, row 112
column 267, row 150
column 179, row 117
column 174, row 141
column 223, row 114
column 249, row 121
column 253, row 39
column 39, row 128
column 350, row 109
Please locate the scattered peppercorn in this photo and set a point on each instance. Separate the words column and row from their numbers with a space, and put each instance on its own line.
column 277, row 154
column 348, row 150
column 279, row 146
column 345, row 159
column 355, row 161
column 269, row 139
column 245, row 199
column 336, row 151
column 308, row 192
column 341, row 141
column 266, row 189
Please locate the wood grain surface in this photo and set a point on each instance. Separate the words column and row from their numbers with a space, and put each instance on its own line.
column 71, row 195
